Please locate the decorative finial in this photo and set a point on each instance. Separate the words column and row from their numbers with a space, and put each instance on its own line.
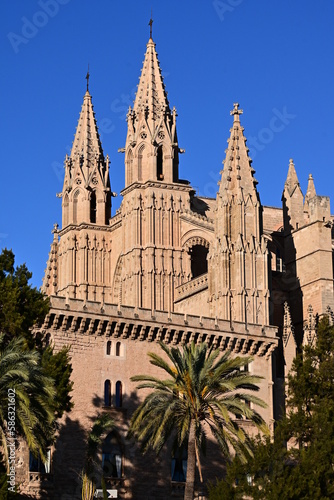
column 87, row 78
column 150, row 25
column 236, row 111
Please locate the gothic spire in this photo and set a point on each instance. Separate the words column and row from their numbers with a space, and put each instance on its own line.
column 151, row 149
column 238, row 175
column 239, row 290
column 310, row 193
column 151, row 96
column 293, row 200
column 292, row 180
column 86, row 190
column 87, row 143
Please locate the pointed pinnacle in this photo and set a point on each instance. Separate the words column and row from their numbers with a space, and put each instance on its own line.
column 310, row 193
column 291, row 179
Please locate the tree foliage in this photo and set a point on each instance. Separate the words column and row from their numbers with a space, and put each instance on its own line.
column 305, row 468
column 21, row 305
column 58, row 366
column 24, row 386
column 204, row 390
column 40, row 377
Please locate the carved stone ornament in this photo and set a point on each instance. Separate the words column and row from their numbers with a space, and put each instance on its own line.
column 94, row 181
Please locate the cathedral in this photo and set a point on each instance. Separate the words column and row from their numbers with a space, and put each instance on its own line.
column 174, row 267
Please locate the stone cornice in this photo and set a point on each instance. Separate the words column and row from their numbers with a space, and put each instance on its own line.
column 84, row 226
column 175, row 187
column 74, row 316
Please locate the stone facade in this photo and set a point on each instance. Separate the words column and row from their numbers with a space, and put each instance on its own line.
column 174, row 267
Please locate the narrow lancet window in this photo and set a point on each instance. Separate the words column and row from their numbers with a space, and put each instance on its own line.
column 93, row 207
column 107, row 393
column 119, row 395
column 160, row 173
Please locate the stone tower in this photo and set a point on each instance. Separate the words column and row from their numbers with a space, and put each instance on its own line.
column 238, row 257
column 151, row 260
column 308, row 279
column 82, row 254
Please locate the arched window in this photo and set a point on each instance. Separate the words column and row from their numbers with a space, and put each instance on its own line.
column 66, row 214
column 93, row 207
column 108, row 208
column 108, row 347
column 175, row 166
column 199, row 263
column 140, row 162
column 118, row 349
column 107, row 393
column 129, row 165
column 179, row 465
column 111, row 456
column 118, row 394
column 75, row 206
column 160, row 174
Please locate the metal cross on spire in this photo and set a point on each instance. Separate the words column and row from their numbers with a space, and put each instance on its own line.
column 87, row 78
column 150, row 25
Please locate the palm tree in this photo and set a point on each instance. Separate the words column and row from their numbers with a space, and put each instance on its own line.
column 25, row 398
column 204, row 390
column 102, row 424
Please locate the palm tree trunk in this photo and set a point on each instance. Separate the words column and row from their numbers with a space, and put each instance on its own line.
column 191, row 464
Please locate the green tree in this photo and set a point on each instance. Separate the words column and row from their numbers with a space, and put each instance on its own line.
column 23, row 308
column 204, row 390
column 58, row 366
column 305, row 469
column 21, row 305
column 40, row 377
column 26, row 394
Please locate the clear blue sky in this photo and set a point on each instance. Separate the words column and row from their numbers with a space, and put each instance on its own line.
column 273, row 57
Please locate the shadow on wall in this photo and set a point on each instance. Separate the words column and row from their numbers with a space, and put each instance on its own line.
column 289, row 282
column 199, row 206
column 119, row 460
